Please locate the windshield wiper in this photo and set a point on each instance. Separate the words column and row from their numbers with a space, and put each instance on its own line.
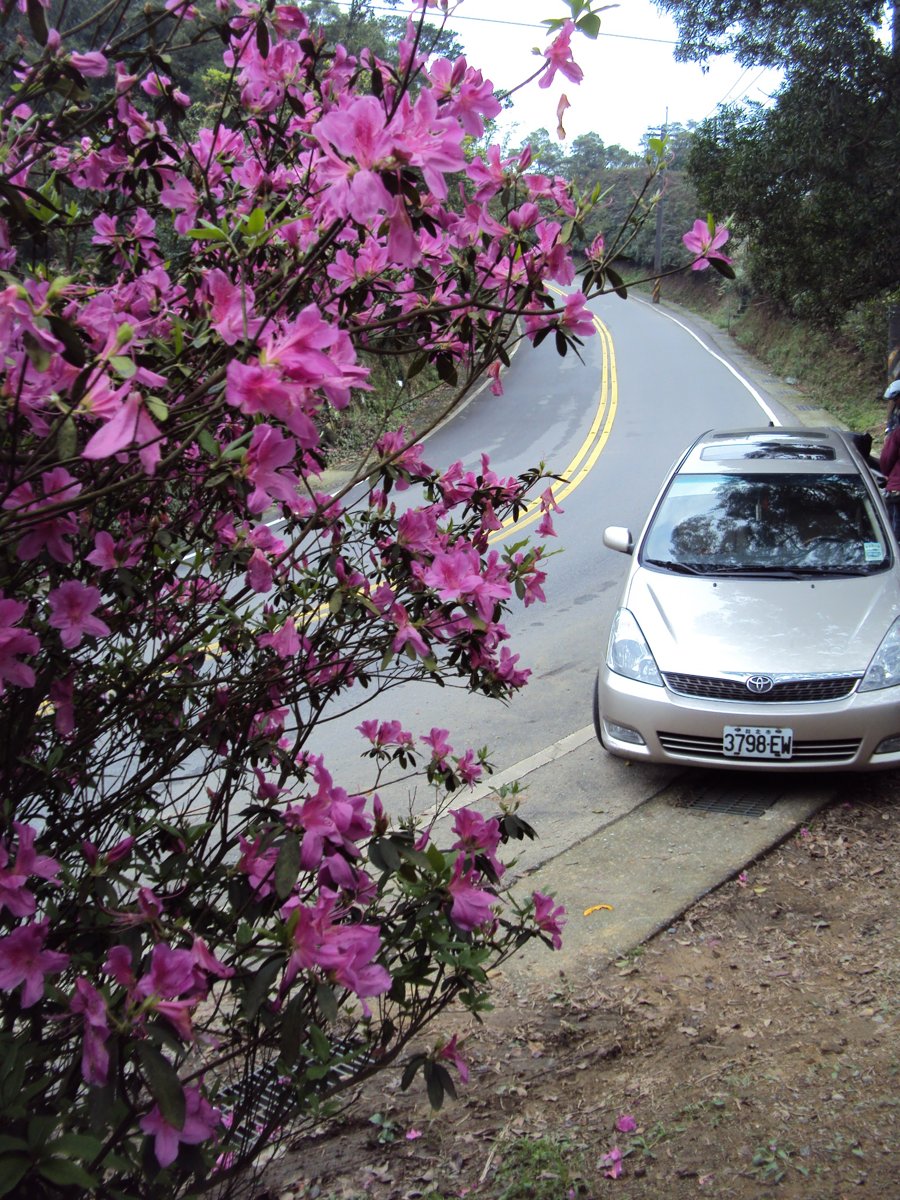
column 669, row 564
column 770, row 571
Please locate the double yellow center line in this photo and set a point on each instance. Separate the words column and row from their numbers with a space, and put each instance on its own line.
column 590, row 449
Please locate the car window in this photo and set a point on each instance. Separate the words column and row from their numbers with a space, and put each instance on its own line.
column 799, row 523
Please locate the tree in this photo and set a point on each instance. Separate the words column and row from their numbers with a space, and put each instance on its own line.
column 795, row 34
column 792, row 174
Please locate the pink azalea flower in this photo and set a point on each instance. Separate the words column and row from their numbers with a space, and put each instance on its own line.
column 200, row 1122
column 268, row 454
column 440, row 747
column 89, row 1003
column 468, row 769
column 559, row 58
column 285, row 641
column 91, row 64
column 71, row 612
column 13, row 643
column 452, row 1054
column 477, row 836
column 62, row 699
column 626, row 1123
column 549, row 919
column 260, row 576
column 612, row 1160
column 494, row 375
column 15, row 896
column 407, row 633
column 472, row 907
column 704, row 241
column 51, row 532
column 131, row 425
column 24, row 960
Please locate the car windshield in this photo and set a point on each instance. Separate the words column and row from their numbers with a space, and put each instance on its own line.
column 794, row 524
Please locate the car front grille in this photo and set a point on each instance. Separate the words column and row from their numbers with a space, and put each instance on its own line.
column 710, row 748
column 788, row 691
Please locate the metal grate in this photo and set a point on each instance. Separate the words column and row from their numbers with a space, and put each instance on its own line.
column 721, row 798
column 788, row 691
column 252, row 1102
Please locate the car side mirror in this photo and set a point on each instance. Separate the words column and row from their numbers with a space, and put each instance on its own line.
column 617, row 537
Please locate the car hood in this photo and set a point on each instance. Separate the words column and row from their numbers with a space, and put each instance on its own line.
column 770, row 626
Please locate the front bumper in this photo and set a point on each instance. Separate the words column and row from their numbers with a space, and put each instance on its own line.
column 833, row 735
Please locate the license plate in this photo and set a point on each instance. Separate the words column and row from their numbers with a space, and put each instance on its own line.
column 757, row 741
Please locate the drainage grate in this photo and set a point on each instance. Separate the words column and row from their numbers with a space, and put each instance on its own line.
column 266, row 1093
column 722, row 798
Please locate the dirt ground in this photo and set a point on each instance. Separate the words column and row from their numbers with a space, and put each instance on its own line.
column 752, row 1046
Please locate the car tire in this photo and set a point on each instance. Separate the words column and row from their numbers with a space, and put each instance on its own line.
column 598, row 725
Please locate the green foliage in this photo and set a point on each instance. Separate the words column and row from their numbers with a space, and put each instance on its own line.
column 772, row 34
column 770, row 1163
column 793, row 174
column 539, row 1169
column 364, row 24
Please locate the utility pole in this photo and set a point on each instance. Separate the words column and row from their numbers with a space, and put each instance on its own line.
column 657, row 252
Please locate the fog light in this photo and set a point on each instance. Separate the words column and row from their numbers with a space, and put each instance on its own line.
column 621, row 733
column 890, row 745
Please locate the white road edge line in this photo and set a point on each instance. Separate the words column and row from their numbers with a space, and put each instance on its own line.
column 520, row 770
column 718, row 357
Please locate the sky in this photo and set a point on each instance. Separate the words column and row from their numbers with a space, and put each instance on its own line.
column 632, row 82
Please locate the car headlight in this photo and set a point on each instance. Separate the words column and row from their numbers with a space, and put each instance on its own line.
column 884, row 669
column 628, row 653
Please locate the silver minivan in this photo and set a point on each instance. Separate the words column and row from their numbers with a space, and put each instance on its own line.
column 759, row 623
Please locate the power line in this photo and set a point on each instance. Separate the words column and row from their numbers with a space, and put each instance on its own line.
column 629, row 37
column 735, row 85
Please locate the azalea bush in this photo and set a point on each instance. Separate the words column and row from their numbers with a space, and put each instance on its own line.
column 204, row 939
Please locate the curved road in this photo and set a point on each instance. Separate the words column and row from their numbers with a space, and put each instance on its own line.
column 613, row 424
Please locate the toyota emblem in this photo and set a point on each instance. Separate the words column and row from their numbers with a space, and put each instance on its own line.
column 758, row 684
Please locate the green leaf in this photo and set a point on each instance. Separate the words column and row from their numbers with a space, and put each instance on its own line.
column 589, row 25
column 12, row 1168
column 207, row 235
column 123, row 366
column 64, row 1173
column 384, row 855
column 287, row 867
column 618, row 284
column 723, row 268
column 159, row 410
column 258, row 988
column 162, row 1080
column 321, row 1045
column 76, row 1145
column 256, row 222
column 73, row 347
column 38, row 22
column 446, row 369
column 38, row 355
column 293, row 1027
column 66, row 438
column 438, row 1084
column 411, row 1070
column 327, row 1002
column 262, row 39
